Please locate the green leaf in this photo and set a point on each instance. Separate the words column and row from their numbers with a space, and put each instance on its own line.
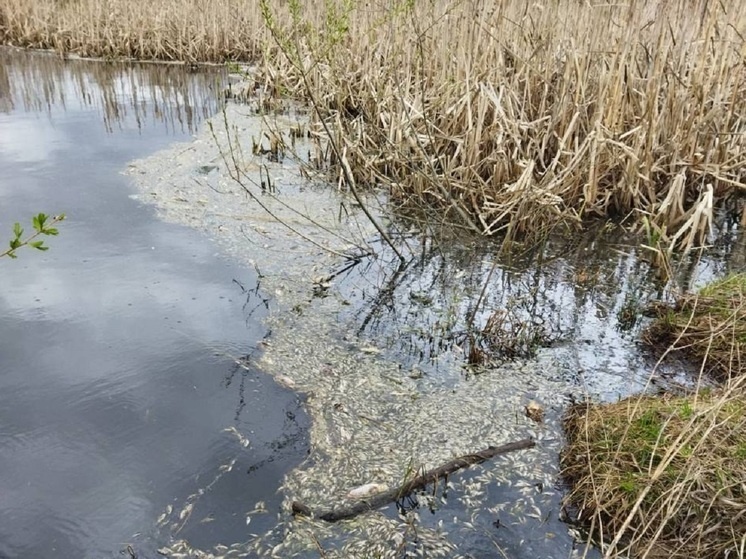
column 17, row 230
column 39, row 245
column 51, row 231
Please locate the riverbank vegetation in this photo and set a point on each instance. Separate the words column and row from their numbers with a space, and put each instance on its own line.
column 709, row 326
column 510, row 119
column 190, row 31
column 661, row 477
column 664, row 476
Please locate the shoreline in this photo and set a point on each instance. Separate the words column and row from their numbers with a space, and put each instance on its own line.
column 360, row 403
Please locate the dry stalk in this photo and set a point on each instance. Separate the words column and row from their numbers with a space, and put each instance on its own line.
column 515, row 119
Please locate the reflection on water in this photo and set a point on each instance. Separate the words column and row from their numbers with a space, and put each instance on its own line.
column 582, row 302
column 126, row 351
column 123, row 95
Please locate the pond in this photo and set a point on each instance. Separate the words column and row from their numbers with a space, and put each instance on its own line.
column 143, row 400
column 127, row 350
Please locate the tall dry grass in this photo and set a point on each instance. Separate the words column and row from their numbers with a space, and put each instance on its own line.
column 517, row 118
column 508, row 117
column 173, row 30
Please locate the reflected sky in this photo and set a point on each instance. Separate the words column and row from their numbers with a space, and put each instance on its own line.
column 118, row 346
column 581, row 301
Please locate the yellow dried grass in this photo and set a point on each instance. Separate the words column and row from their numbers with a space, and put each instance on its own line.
column 512, row 118
column 519, row 119
column 172, row 30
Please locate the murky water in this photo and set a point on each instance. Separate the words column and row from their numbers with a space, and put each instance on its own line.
column 126, row 350
column 380, row 348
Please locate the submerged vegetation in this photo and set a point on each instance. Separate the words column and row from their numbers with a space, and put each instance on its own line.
column 510, row 118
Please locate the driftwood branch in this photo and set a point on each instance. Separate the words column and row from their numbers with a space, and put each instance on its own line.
column 418, row 482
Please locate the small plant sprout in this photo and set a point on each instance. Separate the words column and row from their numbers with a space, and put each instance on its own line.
column 43, row 225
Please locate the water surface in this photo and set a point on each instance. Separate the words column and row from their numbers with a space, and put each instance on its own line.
column 126, row 350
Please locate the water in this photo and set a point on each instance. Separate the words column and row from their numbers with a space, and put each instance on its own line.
column 126, row 350
column 122, row 426
column 381, row 349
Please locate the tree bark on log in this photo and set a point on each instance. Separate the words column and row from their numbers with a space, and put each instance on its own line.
column 418, row 482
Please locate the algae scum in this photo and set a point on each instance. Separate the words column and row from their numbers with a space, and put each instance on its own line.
column 379, row 348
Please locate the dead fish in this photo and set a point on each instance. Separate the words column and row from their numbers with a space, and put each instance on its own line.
column 164, row 517
column 243, row 441
column 186, row 511
column 285, row 381
column 366, row 490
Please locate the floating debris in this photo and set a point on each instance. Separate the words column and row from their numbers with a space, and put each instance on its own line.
column 534, row 411
column 242, row 440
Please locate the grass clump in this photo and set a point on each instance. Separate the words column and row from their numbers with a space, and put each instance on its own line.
column 661, row 477
column 709, row 325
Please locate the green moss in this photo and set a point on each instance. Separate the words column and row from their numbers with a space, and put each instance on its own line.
column 740, row 451
column 730, row 286
column 686, row 410
column 629, row 483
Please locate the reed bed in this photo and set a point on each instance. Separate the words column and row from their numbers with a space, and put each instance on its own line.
column 709, row 325
column 507, row 117
column 170, row 30
column 519, row 119
column 661, row 477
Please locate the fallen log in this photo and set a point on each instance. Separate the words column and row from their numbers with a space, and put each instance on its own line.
column 418, row 482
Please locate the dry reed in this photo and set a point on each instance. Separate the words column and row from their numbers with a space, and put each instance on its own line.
column 518, row 119
column 661, row 477
column 171, row 30
column 509, row 117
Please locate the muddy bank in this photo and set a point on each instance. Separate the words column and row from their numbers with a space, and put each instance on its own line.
column 374, row 348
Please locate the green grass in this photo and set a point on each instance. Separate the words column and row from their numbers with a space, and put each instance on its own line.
column 666, row 475
column 709, row 326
